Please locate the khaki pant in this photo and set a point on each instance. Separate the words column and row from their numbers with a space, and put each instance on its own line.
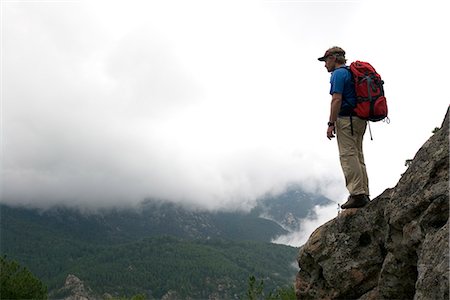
column 351, row 154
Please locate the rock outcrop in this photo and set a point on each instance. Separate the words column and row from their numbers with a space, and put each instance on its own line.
column 397, row 247
column 73, row 289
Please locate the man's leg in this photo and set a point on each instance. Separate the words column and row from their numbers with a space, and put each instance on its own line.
column 359, row 128
column 350, row 154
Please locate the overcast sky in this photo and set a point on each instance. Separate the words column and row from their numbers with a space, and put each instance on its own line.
column 210, row 103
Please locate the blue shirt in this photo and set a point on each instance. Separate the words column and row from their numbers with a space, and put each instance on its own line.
column 342, row 83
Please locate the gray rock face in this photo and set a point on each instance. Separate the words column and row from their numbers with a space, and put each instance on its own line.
column 74, row 289
column 397, row 247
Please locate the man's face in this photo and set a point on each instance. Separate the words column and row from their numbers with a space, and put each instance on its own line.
column 330, row 63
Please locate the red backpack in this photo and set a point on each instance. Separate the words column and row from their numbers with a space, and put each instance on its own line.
column 370, row 100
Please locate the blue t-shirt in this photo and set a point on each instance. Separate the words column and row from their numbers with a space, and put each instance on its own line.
column 342, row 83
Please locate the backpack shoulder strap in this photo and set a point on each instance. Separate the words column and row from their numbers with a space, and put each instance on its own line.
column 347, row 68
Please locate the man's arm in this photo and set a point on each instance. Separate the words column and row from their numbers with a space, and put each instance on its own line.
column 336, row 101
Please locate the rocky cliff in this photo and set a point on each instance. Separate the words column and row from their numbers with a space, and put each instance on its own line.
column 397, row 247
column 73, row 289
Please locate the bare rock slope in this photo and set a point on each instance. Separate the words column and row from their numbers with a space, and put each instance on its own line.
column 397, row 247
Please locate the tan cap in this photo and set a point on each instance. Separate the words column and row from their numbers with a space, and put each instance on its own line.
column 332, row 51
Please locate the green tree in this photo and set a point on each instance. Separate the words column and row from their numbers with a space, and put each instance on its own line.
column 255, row 291
column 17, row 282
column 286, row 293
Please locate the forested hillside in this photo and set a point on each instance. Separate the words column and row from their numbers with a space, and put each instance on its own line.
column 157, row 248
column 190, row 268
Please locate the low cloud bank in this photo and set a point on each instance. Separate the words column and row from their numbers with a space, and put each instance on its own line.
column 319, row 216
column 154, row 104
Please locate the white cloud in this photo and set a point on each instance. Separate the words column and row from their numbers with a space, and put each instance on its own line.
column 319, row 216
column 205, row 102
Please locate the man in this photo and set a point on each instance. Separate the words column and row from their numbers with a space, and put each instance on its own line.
column 348, row 128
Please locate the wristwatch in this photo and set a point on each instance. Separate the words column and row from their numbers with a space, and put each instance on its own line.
column 330, row 124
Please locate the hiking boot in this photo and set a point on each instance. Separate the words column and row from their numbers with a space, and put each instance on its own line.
column 356, row 201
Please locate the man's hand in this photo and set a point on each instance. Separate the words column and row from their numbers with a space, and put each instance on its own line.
column 330, row 132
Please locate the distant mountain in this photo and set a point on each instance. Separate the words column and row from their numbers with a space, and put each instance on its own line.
column 290, row 207
column 129, row 251
column 273, row 216
column 153, row 219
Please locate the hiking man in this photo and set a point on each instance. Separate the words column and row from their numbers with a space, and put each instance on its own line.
column 348, row 128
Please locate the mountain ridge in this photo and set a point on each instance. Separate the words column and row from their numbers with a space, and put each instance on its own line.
column 271, row 217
